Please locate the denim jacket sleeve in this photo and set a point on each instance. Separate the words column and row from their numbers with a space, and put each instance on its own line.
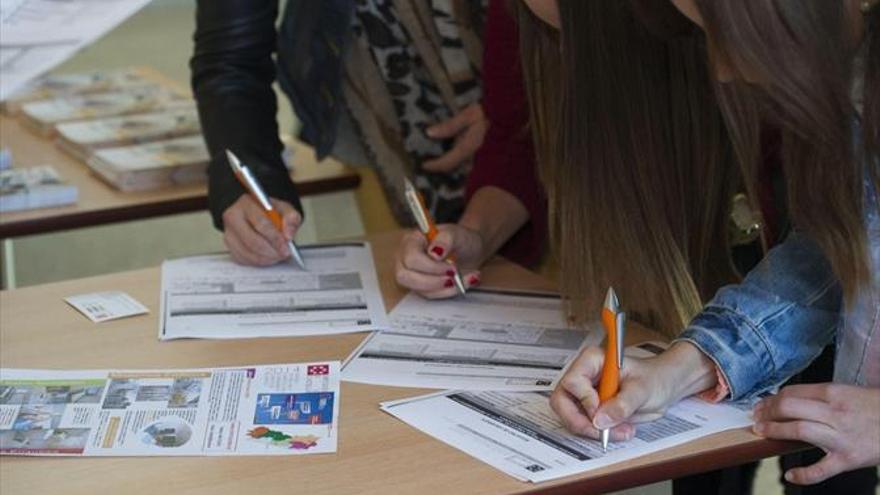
column 787, row 309
column 232, row 76
column 775, row 322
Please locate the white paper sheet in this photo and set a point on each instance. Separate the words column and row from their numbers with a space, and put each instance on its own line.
column 105, row 306
column 211, row 297
column 36, row 35
column 486, row 340
column 519, row 434
column 283, row 409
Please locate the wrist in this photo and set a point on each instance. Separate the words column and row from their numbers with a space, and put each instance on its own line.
column 693, row 371
column 476, row 239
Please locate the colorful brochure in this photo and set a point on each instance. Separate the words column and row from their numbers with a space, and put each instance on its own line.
column 280, row 409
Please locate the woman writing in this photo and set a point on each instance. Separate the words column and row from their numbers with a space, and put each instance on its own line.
column 638, row 169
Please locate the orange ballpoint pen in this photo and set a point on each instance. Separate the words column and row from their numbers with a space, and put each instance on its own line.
column 614, row 321
column 426, row 226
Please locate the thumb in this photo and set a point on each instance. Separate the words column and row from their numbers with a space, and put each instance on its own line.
column 290, row 216
column 621, row 408
column 450, row 127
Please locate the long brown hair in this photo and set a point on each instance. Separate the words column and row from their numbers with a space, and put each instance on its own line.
column 639, row 165
column 798, row 55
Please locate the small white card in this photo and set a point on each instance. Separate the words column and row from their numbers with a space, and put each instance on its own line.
column 104, row 306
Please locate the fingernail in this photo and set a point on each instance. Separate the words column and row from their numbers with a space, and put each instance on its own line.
column 437, row 250
column 431, row 132
column 450, row 273
column 602, row 421
column 448, row 283
column 789, row 477
column 474, row 280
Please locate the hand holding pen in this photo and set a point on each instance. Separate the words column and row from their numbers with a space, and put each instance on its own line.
column 258, row 230
column 604, row 394
column 423, row 263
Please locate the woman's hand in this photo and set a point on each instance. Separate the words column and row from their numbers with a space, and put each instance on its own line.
column 251, row 237
column 842, row 420
column 422, row 267
column 468, row 127
column 647, row 387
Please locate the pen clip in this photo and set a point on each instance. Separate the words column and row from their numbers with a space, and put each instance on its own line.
column 416, row 206
column 247, row 180
column 620, row 328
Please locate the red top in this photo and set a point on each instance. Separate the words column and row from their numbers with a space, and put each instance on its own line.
column 507, row 159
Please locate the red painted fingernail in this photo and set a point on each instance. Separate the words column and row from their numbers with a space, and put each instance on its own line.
column 450, row 273
column 474, row 280
column 437, row 250
column 448, row 283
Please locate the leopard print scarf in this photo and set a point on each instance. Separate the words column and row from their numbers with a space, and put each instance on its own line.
column 416, row 89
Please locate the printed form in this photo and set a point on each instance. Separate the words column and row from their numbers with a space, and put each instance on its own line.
column 212, row 297
column 282, row 409
column 519, row 434
column 488, row 340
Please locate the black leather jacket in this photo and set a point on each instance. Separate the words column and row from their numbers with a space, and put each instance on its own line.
column 232, row 75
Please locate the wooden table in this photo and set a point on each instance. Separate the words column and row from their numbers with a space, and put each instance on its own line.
column 101, row 204
column 377, row 453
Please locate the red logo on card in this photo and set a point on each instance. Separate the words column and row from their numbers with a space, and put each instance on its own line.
column 318, row 369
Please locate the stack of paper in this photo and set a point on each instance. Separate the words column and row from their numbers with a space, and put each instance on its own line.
column 81, row 138
column 79, row 83
column 43, row 115
column 153, row 165
column 34, row 187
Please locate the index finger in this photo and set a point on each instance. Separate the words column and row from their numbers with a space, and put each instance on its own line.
column 815, row 391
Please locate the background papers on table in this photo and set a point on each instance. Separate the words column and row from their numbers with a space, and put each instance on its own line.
column 36, row 35
column 486, row 340
column 104, row 306
column 212, row 297
column 279, row 409
column 519, row 434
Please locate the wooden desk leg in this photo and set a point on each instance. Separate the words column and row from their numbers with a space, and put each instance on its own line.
column 8, row 264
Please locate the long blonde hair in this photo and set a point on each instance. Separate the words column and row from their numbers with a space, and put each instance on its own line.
column 640, row 161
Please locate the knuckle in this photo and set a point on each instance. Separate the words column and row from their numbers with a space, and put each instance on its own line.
column 569, row 383
column 800, row 429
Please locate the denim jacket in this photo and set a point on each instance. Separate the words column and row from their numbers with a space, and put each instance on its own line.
column 788, row 308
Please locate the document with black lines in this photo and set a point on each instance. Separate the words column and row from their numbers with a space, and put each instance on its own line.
column 212, row 297
column 486, row 340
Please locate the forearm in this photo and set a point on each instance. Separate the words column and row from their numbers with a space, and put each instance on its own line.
column 496, row 215
column 232, row 75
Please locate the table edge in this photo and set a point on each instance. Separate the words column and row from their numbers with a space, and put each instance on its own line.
column 54, row 223
column 673, row 468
